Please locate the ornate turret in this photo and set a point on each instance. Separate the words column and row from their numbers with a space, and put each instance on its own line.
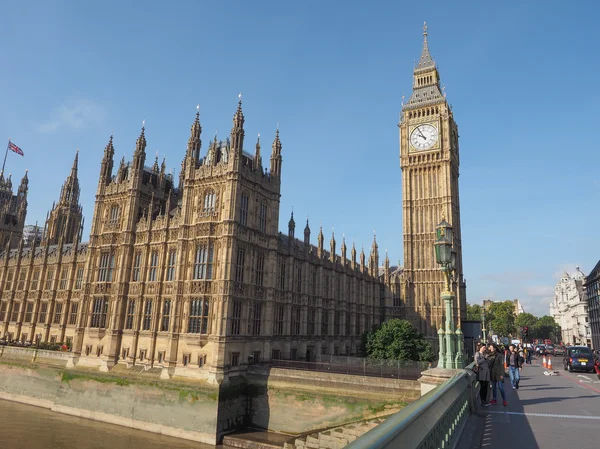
column 139, row 155
column 194, row 142
column 24, row 186
column 106, row 166
column 320, row 240
column 362, row 259
column 353, row 256
column 237, row 132
column 257, row 156
column 374, row 257
column 66, row 216
column 291, row 230
column 386, row 267
column 332, row 247
column 276, row 155
column 307, row 235
column 343, row 250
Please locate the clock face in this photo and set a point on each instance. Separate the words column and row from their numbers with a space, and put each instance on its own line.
column 424, row 137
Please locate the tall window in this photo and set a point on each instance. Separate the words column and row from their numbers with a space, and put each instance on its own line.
column 313, row 285
column 260, row 269
column 22, row 275
column 326, row 292
column 254, row 315
column 73, row 313
column 239, row 265
column 236, row 317
column 262, row 218
column 28, row 313
column 3, row 307
column 9, row 279
column 336, row 322
column 278, row 328
column 203, row 262
column 299, row 280
column 114, row 214
column 35, row 279
column 147, row 321
column 171, row 265
column 64, row 278
column 348, row 323
column 282, row 275
column 137, row 262
column 58, row 312
column 164, row 324
column 129, row 316
column 244, row 210
column 49, row 279
column 198, row 320
column 324, row 321
column 153, row 265
column 107, row 266
column 99, row 311
column 209, row 202
column 43, row 312
column 311, row 318
column 15, row 311
column 79, row 279
column 295, row 320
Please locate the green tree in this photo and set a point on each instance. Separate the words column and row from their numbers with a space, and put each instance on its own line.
column 502, row 318
column 474, row 312
column 526, row 320
column 398, row 340
column 546, row 327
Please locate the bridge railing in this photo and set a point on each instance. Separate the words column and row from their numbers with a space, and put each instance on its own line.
column 433, row 421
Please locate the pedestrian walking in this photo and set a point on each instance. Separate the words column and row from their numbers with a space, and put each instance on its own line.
column 497, row 373
column 483, row 375
column 515, row 364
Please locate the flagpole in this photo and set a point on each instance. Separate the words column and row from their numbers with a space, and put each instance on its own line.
column 5, row 154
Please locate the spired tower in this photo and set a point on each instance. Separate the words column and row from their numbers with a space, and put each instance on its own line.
column 13, row 209
column 429, row 159
column 66, row 217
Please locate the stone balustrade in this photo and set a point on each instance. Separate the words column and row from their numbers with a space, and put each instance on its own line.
column 435, row 420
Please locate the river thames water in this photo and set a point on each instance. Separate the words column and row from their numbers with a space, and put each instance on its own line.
column 27, row 427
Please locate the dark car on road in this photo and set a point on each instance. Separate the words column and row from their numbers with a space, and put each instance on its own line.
column 578, row 358
column 559, row 350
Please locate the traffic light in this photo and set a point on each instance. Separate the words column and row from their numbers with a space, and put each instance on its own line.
column 526, row 331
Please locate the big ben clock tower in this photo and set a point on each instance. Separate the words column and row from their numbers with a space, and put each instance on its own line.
column 429, row 160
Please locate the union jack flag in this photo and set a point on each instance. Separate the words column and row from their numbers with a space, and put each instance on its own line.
column 15, row 149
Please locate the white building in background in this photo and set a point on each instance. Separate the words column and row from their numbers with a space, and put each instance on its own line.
column 518, row 307
column 31, row 232
column 570, row 309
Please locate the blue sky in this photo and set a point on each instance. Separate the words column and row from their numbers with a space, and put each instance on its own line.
column 521, row 80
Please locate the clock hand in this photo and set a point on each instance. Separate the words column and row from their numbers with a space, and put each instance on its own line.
column 419, row 131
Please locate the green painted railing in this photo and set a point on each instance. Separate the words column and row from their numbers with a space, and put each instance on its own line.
column 434, row 421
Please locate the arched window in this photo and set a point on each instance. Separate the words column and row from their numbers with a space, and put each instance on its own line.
column 203, row 262
column 114, row 214
column 209, row 201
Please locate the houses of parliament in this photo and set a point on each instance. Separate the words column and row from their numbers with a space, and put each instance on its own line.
column 191, row 275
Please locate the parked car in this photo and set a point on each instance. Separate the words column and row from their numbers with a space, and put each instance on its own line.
column 559, row 350
column 578, row 358
column 549, row 350
column 540, row 350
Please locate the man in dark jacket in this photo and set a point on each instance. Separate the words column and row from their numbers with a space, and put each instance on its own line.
column 497, row 373
column 515, row 364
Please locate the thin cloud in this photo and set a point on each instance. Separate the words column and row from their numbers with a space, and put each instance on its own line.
column 74, row 114
column 508, row 276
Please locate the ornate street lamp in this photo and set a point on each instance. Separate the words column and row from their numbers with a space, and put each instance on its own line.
column 451, row 342
column 483, row 324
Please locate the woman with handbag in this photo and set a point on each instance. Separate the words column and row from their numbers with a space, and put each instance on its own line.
column 483, row 375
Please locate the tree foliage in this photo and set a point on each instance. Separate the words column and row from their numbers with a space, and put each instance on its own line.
column 501, row 318
column 546, row 327
column 526, row 320
column 398, row 340
column 474, row 312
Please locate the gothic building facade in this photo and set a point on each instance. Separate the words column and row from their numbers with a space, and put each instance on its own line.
column 194, row 278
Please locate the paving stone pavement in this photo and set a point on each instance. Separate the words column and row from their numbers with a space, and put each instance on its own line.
column 546, row 412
